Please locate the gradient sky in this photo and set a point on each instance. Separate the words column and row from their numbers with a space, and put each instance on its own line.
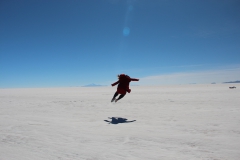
column 62, row 43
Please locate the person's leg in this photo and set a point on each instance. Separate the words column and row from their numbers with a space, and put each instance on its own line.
column 120, row 97
column 115, row 95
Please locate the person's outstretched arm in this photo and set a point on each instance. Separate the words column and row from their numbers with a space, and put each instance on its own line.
column 134, row 79
column 115, row 83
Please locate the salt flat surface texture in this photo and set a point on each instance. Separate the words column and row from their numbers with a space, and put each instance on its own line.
column 185, row 122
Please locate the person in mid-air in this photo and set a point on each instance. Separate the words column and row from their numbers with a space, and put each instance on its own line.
column 123, row 86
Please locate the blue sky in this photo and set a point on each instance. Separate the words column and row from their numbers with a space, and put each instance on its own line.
column 59, row 43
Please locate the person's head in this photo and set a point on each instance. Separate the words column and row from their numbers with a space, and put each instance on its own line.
column 121, row 75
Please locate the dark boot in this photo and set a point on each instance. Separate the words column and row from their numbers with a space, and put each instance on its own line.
column 114, row 97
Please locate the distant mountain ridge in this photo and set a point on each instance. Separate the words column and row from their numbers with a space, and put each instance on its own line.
column 94, row 85
column 233, row 82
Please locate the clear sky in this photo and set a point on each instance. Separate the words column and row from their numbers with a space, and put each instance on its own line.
column 63, row 43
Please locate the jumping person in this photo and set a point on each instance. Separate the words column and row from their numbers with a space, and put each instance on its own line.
column 123, row 86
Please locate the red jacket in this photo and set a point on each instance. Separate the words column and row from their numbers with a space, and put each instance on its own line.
column 123, row 82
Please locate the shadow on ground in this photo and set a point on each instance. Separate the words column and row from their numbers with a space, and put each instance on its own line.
column 116, row 120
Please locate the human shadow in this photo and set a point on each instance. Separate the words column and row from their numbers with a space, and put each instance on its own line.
column 116, row 120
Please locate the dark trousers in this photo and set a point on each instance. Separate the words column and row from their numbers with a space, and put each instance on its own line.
column 120, row 97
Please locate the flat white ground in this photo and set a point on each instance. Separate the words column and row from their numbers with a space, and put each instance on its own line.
column 185, row 122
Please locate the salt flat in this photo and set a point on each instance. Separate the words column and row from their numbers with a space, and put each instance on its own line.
column 184, row 122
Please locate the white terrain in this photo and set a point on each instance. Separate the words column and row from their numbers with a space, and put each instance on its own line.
column 182, row 122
